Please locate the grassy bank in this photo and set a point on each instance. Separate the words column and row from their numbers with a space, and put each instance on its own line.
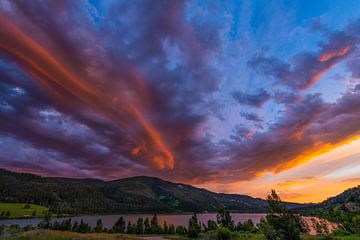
column 22, row 210
column 58, row 235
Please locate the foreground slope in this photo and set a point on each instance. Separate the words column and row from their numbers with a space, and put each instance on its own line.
column 136, row 194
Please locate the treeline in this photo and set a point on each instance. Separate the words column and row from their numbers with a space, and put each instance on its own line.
column 141, row 226
column 280, row 223
column 152, row 226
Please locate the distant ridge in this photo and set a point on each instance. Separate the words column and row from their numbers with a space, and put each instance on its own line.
column 129, row 195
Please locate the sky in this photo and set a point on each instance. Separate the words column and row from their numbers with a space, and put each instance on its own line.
column 233, row 96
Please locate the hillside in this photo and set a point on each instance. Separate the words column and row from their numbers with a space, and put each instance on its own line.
column 349, row 201
column 136, row 194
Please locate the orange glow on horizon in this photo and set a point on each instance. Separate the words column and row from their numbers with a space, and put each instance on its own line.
column 302, row 183
column 318, row 150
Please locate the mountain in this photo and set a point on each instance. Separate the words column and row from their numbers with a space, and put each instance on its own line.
column 349, row 200
column 135, row 194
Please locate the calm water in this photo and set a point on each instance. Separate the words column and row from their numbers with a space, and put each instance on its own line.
column 109, row 220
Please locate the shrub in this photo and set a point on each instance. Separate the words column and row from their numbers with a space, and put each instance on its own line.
column 223, row 233
column 211, row 225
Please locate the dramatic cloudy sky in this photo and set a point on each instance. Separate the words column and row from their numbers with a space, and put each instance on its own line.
column 234, row 96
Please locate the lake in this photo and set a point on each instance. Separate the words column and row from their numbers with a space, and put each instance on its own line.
column 109, row 220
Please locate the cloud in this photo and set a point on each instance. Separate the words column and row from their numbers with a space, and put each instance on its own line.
column 98, row 93
column 297, row 182
column 305, row 68
column 106, row 101
column 254, row 100
column 251, row 117
column 305, row 130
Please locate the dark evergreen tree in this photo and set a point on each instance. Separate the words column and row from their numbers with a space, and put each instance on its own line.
column 165, row 228
column 130, row 228
column 171, row 229
column 194, row 227
column 56, row 226
column 224, row 219
column 75, row 227
column 65, row 225
column 155, row 228
column 45, row 224
column 282, row 223
column 99, row 226
column 119, row 226
column 84, row 227
column 147, row 226
column 140, row 226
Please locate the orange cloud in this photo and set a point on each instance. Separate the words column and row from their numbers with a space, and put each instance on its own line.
column 317, row 150
column 66, row 83
column 328, row 56
column 297, row 182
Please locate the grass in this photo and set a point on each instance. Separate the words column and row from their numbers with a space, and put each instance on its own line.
column 60, row 235
column 234, row 236
column 21, row 210
column 331, row 237
column 57, row 235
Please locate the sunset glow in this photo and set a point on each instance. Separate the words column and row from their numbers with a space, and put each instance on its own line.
column 235, row 96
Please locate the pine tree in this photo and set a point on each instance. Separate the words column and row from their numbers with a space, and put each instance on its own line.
column 155, row 225
column 75, row 227
column 119, row 226
column 194, row 227
column 224, row 219
column 280, row 222
column 140, row 226
column 147, row 227
column 129, row 229
column 99, row 226
column 171, row 229
column 165, row 228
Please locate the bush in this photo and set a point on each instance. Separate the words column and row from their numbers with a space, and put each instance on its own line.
column 341, row 232
column 356, row 224
column 180, row 230
column 27, row 206
column 2, row 229
column 211, row 225
column 223, row 233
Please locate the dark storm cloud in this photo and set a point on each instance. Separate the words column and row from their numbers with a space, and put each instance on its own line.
column 252, row 99
column 120, row 89
column 104, row 103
